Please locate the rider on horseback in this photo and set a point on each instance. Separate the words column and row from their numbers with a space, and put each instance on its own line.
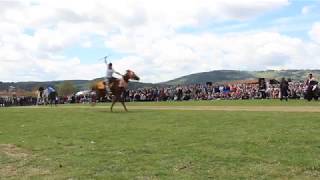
column 311, row 81
column 310, row 78
column 109, row 76
column 312, row 90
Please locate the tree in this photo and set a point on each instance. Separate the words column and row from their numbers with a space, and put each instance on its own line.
column 66, row 88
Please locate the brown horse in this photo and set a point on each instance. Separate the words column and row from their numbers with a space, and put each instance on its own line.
column 117, row 88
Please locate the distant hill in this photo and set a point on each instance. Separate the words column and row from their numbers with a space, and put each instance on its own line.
column 212, row 76
column 231, row 75
column 198, row 78
column 30, row 86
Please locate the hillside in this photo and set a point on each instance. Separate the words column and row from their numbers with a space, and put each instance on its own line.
column 30, row 86
column 231, row 75
column 198, row 78
column 212, row 76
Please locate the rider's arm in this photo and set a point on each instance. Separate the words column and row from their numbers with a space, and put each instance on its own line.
column 118, row 73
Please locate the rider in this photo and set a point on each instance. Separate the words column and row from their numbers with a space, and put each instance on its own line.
column 109, row 75
column 51, row 89
column 52, row 95
column 311, row 81
column 284, row 87
column 310, row 78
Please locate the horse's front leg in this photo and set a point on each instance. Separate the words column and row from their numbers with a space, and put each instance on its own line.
column 114, row 100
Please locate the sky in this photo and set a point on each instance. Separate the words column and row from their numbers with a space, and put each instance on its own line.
column 42, row 40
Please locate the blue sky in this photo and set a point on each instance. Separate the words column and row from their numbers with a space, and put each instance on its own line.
column 160, row 40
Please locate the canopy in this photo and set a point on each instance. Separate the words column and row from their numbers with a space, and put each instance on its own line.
column 81, row 93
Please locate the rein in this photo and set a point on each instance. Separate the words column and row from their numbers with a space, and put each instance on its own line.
column 126, row 78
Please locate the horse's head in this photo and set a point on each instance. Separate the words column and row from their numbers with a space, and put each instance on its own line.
column 131, row 75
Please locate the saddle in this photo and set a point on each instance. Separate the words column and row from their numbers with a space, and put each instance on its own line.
column 118, row 83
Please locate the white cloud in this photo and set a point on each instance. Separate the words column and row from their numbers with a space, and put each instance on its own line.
column 305, row 10
column 182, row 54
column 310, row 9
column 314, row 33
column 146, row 34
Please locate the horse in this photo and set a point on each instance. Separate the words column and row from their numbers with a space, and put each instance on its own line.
column 49, row 97
column 117, row 89
column 98, row 92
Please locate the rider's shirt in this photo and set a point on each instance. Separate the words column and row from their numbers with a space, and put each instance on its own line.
column 50, row 89
column 110, row 72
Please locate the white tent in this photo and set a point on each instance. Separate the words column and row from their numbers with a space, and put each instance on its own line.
column 82, row 93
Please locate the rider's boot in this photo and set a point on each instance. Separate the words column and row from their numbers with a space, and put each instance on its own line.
column 108, row 92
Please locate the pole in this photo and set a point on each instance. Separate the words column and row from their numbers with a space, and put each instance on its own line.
column 105, row 59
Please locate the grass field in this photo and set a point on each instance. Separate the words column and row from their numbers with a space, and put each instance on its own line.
column 83, row 142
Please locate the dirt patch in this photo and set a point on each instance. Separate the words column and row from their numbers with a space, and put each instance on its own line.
column 37, row 171
column 184, row 166
column 8, row 171
column 14, row 172
column 18, row 163
column 13, row 151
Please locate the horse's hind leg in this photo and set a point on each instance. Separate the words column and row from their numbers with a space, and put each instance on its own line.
column 124, row 106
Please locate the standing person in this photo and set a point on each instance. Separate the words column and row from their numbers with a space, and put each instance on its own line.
column 40, row 95
column 41, row 89
column 179, row 93
column 284, row 87
column 262, row 88
column 109, row 76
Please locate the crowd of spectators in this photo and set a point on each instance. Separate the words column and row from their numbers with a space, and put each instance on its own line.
column 7, row 101
column 214, row 92
column 182, row 93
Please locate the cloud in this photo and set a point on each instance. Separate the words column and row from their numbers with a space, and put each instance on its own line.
column 305, row 10
column 180, row 54
column 314, row 33
column 146, row 33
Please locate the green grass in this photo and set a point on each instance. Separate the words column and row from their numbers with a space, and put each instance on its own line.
column 92, row 143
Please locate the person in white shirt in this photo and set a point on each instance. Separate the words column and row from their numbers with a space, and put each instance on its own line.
column 109, row 76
